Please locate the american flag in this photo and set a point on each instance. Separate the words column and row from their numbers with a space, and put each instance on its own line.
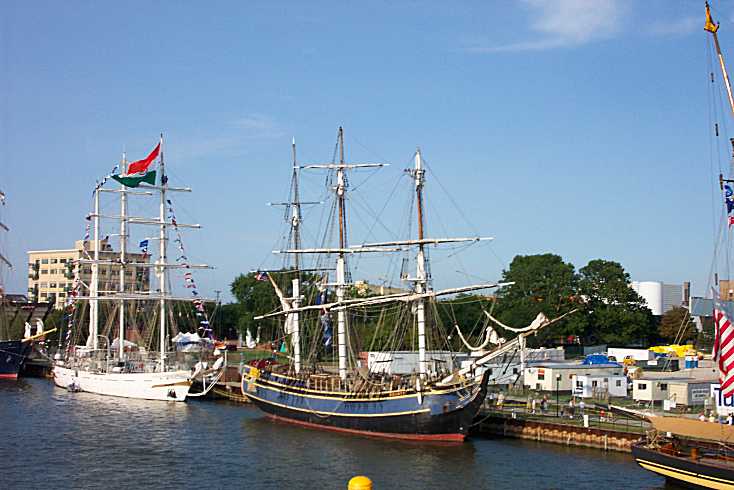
column 724, row 349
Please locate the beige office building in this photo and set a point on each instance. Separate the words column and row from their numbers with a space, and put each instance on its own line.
column 51, row 272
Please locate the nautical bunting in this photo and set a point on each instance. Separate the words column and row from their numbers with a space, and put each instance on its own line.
column 189, row 282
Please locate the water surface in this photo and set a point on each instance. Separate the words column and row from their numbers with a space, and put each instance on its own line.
column 55, row 439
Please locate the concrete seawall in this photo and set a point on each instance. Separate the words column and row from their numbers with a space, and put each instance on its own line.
column 570, row 435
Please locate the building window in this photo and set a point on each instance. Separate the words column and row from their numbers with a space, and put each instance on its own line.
column 53, row 271
column 54, row 261
column 514, row 370
column 63, row 261
column 44, row 271
column 594, row 384
column 663, row 386
column 541, row 376
column 619, row 383
column 61, row 295
column 44, row 261
column 52, row 285
column 579, row 384
column 642, row 386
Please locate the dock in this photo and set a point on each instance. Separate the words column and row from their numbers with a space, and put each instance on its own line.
column 595, row 427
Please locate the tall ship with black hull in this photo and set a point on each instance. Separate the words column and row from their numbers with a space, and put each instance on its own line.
column 329, row 385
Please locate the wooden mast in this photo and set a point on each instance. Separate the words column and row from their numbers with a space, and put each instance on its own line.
column 421, row 284
column 341, row 263
column 295, row 283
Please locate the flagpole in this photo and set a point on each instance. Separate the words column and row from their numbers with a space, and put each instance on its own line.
column 123, row 250
column 162, row 259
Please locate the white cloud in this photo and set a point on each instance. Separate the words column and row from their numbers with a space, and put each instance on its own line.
column 233, row 138
column 257, row 126
column 565, row 23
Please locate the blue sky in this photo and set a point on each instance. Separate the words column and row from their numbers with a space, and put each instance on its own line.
column 576, row 127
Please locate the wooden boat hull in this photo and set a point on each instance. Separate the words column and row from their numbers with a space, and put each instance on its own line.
column 435, row 415
column 13, row 354
column 684, row 471
column 168, row 386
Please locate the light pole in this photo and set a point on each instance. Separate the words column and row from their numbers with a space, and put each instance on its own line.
column 558, row 381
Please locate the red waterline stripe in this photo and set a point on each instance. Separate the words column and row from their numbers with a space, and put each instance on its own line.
column 9, row 376
column 387, row 435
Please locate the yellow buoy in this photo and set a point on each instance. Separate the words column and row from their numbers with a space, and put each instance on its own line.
column 360, row 483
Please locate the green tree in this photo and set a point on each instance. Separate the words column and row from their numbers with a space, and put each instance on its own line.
column 254, row 298
column 614, row 313
column 542, row 283
column 676, row 326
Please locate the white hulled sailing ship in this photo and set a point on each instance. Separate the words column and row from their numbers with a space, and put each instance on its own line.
column 121, row 367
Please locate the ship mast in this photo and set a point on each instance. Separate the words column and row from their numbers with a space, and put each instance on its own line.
column 162, row 247
column 342, row 250
column 712, row 27
column 421, row 284
column 296, row 286
column 94, row 286
column 123, row 251
column 341, row 262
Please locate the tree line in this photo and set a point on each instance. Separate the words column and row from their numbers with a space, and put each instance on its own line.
column 609, row 310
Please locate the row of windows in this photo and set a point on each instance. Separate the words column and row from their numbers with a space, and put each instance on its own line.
column 54, row 261
column 44, row 285
column 643, row 386
column 595, row 384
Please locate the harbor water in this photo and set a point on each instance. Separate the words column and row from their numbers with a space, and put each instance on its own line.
column 52, row 438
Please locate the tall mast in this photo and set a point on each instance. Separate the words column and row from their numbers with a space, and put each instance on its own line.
column 163, row 245
column 123, row 251
column 295, row 208
column 421, row 284
column 342, row 250
column 94, row 286
column 296, row 287
column 340, row 262
column 712, row 27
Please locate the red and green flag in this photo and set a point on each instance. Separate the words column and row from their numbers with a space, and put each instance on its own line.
column 140, row 171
